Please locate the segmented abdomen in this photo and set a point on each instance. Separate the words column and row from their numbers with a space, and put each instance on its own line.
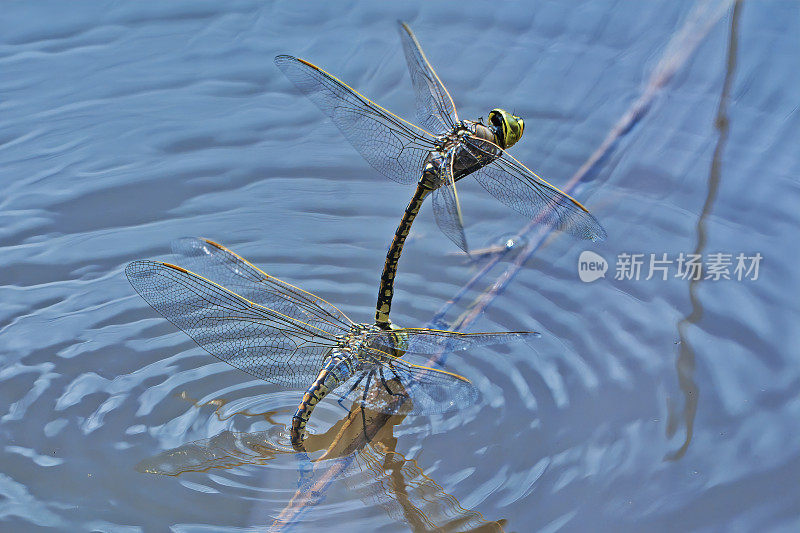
column 336, row 371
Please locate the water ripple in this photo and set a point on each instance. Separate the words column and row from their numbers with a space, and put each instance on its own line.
column 129, row 126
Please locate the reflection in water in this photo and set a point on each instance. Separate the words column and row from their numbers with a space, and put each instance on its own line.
column 219, row 404
column 407, row 494
column 685, row 363
column 224, row 450
column 360, row 448
column 365, row 439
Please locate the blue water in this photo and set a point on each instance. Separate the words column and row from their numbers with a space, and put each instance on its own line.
column 645, row 406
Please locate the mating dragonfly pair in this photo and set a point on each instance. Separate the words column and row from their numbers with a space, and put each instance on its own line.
column 284, row 335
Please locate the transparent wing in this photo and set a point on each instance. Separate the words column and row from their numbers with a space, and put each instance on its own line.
column 515, row 185
column 435, row 109
column 393, row 147
column 446, row 208
column 432, row 341
column 428, row 390
column 221, row 265
column 253, row 338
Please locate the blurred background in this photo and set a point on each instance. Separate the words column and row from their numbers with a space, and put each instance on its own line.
column 647, row 405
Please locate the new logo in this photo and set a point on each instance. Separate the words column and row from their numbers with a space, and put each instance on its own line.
column 591, row 266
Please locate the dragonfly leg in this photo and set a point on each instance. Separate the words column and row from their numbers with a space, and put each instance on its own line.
column 363, row 400
column 342, row 396
column 339, row 401
column 366, row 387
column 386, row 385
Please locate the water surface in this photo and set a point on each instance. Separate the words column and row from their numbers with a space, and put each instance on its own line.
column 646, row 405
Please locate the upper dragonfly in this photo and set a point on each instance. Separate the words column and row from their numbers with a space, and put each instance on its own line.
column 285, row 335
column 436, row 154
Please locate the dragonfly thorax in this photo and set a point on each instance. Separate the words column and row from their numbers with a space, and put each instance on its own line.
column 461, row 131
column 454, row 147
column 356, row 338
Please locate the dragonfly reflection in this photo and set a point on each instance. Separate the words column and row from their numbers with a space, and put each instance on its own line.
column 360, row 450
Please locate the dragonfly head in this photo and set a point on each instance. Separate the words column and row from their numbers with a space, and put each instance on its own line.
column 507, row 128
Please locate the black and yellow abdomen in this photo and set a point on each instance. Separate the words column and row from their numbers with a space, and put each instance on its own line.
column 336, row 371
column 386, row 290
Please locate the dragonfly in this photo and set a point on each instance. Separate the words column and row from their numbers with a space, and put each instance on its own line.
column 284, row 335
column 436, row 154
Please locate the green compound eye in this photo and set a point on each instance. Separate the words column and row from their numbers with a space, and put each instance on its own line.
column 508, row 128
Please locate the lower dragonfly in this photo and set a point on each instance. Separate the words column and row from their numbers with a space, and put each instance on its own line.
column 287, row 336
column 435, row 155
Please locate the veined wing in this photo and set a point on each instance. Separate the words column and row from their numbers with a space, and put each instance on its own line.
column 221, row 265
column 253, row 338
column 431, row 341
column 393, row 147
column 436, row 111
column 515, row 185
column 429, row 390
column 446, row 208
